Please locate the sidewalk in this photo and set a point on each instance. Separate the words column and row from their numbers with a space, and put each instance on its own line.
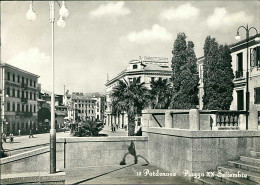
column 119, row 131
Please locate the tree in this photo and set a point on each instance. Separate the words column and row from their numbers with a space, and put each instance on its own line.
column 89, row 128
column 131, row 98
column 185, row 75
column 160, row 94
column 217, row 76
column 44, row 113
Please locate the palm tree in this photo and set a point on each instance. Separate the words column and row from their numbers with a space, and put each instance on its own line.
column 130, row 98
column 160, row 94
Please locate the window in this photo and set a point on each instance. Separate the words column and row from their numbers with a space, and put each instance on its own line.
column 152, row 79
column 18, row 107
column 239, row 72
column 27, row 108
column 8, row 76
column 13, row 107
column 34, row 84
column 34, row 96
column 31, row 108
column 18, row 79
column 27, row 81
column 18, row 93
column 22, row 108
column 8, row 91
column 34, row 108
column 240, row 100
column 22, row 94
column 257, row 95
column 13, row 77
column 255, row 57
column 26, row 95
column 8, row 106
column 30, row 82
column 31, row 95
column 135, row 66
column 22, row 80
column 92, row 111
column 13, row 93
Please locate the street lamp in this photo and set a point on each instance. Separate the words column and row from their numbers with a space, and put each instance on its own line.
column 61, row 23
column 247, row 29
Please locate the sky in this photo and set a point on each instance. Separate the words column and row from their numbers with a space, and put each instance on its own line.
column 101, row 37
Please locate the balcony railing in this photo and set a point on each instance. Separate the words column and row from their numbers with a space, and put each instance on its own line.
column 24, row 114
column 239, row 74
column 24, row 100
column 24, row 85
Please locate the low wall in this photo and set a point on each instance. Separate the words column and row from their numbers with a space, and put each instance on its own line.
column 177, row 150
column 75, row 152
column 32, row 161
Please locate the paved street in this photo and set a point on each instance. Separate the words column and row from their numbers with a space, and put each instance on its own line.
column 39, row 140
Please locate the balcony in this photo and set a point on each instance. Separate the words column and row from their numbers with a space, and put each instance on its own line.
column 24, row 114
column 24, row 100
column 239, row 74
column 24, row 86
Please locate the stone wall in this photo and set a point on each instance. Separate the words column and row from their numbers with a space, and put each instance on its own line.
column 98, row 151
column 177, row 150
column 74, row 152
column 32, row 161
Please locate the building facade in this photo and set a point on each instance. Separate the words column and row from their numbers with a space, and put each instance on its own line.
column 80, row 107
column 239, row 65
column 144, row 70
column 19, row 99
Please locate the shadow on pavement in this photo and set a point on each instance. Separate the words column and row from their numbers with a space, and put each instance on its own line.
column 85, row 180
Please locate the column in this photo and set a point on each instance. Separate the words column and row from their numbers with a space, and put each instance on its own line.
column 168, row 119
column 194, row 119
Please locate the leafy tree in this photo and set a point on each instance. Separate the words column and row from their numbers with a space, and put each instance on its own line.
column 217, row 76
column 89, row 128
column 160, row 94
column 44, row 113
column 185, row 75
column 131, row 98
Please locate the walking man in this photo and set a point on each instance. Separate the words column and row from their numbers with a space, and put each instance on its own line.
column 31, row 134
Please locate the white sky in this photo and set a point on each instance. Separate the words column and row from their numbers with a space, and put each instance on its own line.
column 102, row 37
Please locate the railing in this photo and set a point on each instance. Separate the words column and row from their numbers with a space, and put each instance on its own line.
column 195, row 119
column 24, row 100
column 24, row 85
column 24, row 114
column 227, row 118
column 239, row 74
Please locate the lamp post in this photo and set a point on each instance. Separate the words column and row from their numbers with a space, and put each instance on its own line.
column 247, row 29
column 61, row 23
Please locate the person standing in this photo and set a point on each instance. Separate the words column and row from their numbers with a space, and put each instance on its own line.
column 31, row 134
column 4, row 137
column 19, row 132
column 11, row 138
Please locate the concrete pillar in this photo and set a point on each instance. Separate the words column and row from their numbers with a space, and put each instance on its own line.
column 194, row 119
column 253, row 120
column 168, row 119
column 144, row 120
column 242, row 122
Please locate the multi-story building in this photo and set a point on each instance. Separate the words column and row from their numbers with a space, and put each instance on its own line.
column 239, row 65
column 80, row 107
column 19, row 99
column 144, row 70
column 100, row 107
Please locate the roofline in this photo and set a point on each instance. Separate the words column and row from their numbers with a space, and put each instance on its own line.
column 121, row 75
column 16, row 68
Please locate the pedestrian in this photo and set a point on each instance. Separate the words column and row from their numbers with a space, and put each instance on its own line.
column 11, row 138
column 125, row 127
column 31, row 134
column 19, row 132
column 4, row 137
